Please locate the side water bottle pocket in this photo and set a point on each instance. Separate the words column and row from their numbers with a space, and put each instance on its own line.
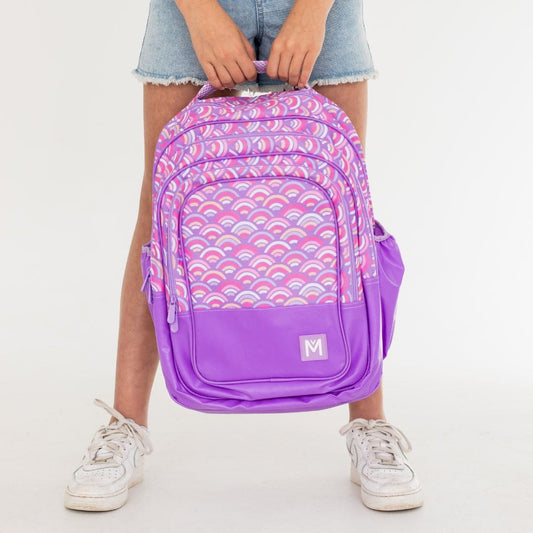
column 391, row 270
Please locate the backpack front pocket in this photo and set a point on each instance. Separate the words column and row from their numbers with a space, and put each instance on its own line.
column 261, row 265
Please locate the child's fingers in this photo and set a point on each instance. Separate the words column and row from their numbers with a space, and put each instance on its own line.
column 295, row 68
column 224, row 76
column 273, row 64
column 284, row 64
column 212, row 76
column 248, row 70
column 236, row 73
column 307, row 68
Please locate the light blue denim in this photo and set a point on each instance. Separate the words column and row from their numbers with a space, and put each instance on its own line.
column 167, row 55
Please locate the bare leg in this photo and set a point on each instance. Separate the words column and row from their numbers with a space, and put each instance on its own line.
column 352, row 98
column 137, row 357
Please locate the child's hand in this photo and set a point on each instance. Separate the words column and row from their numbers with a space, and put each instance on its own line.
column 221, row 47
column 298, row 43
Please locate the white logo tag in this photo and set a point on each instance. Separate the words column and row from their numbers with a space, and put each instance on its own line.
column 313, row 347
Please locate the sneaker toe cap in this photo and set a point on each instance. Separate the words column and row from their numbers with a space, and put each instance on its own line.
column 390, row 481
column 97, row 481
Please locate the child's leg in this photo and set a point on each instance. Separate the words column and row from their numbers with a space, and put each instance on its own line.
column 352, row 98
column 137, row 357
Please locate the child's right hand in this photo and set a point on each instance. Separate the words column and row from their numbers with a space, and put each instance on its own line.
column 221, row 47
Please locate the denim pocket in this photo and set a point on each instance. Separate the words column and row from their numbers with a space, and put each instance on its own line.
column 391, row 270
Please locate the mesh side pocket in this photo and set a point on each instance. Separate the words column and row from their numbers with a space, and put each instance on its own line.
column 391, row 270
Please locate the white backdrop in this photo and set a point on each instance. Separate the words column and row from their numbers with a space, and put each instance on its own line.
column 448, row 150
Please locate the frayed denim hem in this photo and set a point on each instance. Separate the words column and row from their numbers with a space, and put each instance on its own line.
column 350, row 78
column 146, row 77
column 251, row 86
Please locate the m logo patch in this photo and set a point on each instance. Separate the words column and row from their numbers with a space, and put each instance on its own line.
column 313, row 347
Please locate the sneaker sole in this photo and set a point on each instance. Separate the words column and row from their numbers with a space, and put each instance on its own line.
column 98, row 503
column 396, row 502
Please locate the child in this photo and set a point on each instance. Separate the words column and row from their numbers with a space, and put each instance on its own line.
column 186, row 43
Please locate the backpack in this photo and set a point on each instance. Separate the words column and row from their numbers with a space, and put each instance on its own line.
column 271, row 286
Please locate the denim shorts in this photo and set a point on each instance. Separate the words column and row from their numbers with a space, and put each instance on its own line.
column 167, row 55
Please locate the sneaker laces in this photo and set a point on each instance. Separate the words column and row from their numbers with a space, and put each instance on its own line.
column 111, row 440
column 380, row 435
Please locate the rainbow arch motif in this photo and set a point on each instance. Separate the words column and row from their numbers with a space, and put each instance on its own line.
column 251, row 131
column 271, row 257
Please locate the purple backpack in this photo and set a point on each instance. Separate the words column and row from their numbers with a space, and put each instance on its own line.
column 271, row 286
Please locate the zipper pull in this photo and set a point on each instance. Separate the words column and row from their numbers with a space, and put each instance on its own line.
column 147, row 286
column 150, row 297
column 146, row 278
column 172, row 316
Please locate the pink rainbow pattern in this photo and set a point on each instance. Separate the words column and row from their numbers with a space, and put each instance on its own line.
column 350, row 289
column 198, row 148
column 260, row 243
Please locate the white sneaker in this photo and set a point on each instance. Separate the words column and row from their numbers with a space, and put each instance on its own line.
column 113, row 462
column 379, row 465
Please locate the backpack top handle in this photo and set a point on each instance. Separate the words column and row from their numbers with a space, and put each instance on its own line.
column 260, row 66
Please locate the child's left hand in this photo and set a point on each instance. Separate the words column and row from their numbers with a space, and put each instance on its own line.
column 299, row 42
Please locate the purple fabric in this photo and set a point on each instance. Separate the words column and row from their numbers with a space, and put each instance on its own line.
column 238, row 345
